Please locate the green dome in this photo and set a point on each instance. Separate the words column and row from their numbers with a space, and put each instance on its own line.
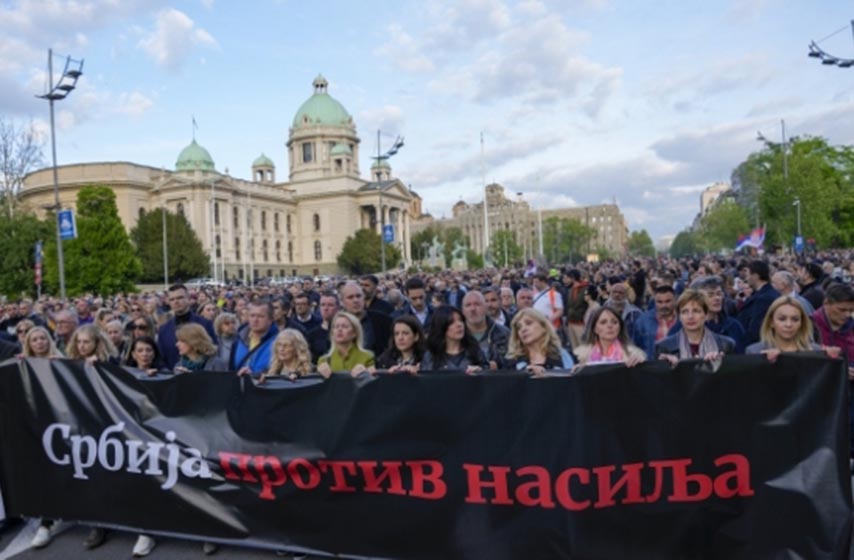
column 381, row 163
column 263, row 161
column 194, row 157
column 341, row 150
column 321, row 109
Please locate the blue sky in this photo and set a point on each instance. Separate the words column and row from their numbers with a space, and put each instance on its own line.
column 580, row 102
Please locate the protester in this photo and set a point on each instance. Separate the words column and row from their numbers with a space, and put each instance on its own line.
column 196, row 350
column 784, row 282
column 535, row 345
column 144, row 355
column 786, row 328
column 39, row 344
column 524, row 298
column 717, row 319
column 373, row 298
column 142, row 325
column 508, row 301
column 116, row 333
column 406, row 348
column 225, row 327
column 291, row 357
column 91, row 344
column 450, row 346
column 418, row 306
column 606, row 341
column 22, row 328
column 694, row 340
column 347, row 352
column 547, row 300
column 492, row 337
column 179, row 301
column 253, row 347
column 618, row 300
column 376, row 326
column 493, row 307
column 303, row 313
column 318, row 337
column 66, row 323
column 753, row 311
column 653, row 325
column 576, row 305
column 209, row 311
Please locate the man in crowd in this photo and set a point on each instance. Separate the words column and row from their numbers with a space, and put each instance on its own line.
column 373, row 301
column 376, row 327
column 524, row 298
column 84, row 311
column 303, row 313
column 417, row 306
column 753, row 311
column 283, row 318
column 810, row 276
column 618, row 300
column 655, row 324
column 455, row 293
column 784, row 282
column 576, row 305
column 179, row 302
column 493, row 338
column 508, row 301
column 493, row 307
column 547, row 300
column 66, row 323
column 253, row 348
column 318, row 337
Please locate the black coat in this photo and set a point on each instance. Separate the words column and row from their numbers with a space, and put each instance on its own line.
column 670, row 345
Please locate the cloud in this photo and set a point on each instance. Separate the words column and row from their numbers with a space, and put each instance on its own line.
column 746, row 11
column 174, row 38
column 388, row 119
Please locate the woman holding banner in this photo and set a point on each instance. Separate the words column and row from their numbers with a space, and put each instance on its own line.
column 694, row 340
column 39, row 344
column 607, row 341
column 346, row 352
column 291, row 357
column 406, row 348
column 534, row 344
column 787, row 328
column 196, row 350
column 450, row 345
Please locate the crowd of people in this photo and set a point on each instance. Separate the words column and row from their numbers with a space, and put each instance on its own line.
column 536, row 320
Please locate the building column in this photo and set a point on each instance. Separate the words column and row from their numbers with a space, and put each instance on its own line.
column 407, row 250
column 378, row 226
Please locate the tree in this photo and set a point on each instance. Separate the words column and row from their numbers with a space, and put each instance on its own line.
column 565, row 239
column 450, row 236
column 18, row 236
column 20, row 153
column 722, row 225
column 102, row 259
column 505, row 250
column 186, row 256
column 684, row 244
column 806, row 169
column 361, row 253
column 640, row 244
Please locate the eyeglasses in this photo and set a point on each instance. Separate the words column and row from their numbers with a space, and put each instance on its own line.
column 140, row 327
column 21, row 331
column 136, row 309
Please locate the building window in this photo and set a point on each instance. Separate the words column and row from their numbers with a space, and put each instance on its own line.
column 264, row 250
column 316, row 222
column 339, row 164
column 216, row 213
column 290, row 251
column 218, row 247
column 288, row 223
column 318, row 251
column 180, row 208
column 276, row 222
column 278, row 251
column 263, row 220
column 235, row 217
column 307, row 152
column 252, row 249
column 141, row 213
column 237, row 249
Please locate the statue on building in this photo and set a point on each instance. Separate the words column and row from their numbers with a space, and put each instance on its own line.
column 458, row 256
column 437, row 253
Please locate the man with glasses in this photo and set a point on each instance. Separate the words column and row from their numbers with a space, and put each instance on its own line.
column 179, row 302
column 66, row 323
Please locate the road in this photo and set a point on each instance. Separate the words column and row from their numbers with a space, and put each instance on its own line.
column 68, row 545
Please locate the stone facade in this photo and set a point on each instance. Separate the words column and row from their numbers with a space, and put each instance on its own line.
column 518, row 216
column 258, row 228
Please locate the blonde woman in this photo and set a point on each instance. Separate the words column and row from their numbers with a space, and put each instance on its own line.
column 291, row 357
column 39, row 344
column 787, row 328
column 196, row 350
column 535, row 345
column 346, row 352
column 89, row 343
column 22, row 328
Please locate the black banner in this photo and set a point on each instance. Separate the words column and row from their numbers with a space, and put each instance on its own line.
column 746, row 462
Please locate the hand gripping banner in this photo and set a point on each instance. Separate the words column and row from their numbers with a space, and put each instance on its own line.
column 746, row 462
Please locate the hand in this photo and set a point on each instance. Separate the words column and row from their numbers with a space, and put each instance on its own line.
column 262, row 379
column 151, row 372
column 493, row 365
column 772, row 354
column 243, row 371
column 182, row 369
column 324, row 370
column 712, row 356
column 411, row 369
column 851, row 373
column 536, row 370
column 357, row 370
column 671, row 359
column 471, row 370
column 832, row 351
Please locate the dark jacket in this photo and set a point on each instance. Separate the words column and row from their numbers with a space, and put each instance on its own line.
column 318, row 342
column 753, row 311
column 495, row 342
column 376, row 328
column 381, row 306
column 166, row 338
column 670, row 345
column 813, row 293
column 8, row 350
column 407, row 310
column 726, row 326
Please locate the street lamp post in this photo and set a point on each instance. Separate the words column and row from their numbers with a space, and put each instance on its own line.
column 66, row 84
column 398, row 144
column 797, row 203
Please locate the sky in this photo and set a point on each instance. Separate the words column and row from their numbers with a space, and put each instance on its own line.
column 578, row 102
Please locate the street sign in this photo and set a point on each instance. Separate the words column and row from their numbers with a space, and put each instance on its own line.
column 799, row 243
column 388, row 233
column 67, row 225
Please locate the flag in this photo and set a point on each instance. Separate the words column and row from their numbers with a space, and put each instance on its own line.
column 755, row 239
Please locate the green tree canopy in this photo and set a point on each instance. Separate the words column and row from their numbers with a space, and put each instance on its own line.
column 722, row 225
column 505, row 250
column 684, row 244
column 565, row 239
column 361, row 253
column 102, row 259
column 640, row 244
column 18, row 236
column 808, row 169
column 186, row 256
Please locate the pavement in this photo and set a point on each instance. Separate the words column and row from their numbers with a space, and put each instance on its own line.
column 67, row 544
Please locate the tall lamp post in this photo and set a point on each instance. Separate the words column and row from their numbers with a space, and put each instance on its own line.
column 60, row 90
column 826, row 58
column 797, row 203
column 398, row 144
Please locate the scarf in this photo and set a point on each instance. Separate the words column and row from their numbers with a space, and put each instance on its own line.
column 191, row 365
column 614, row 354
column 707, row 344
